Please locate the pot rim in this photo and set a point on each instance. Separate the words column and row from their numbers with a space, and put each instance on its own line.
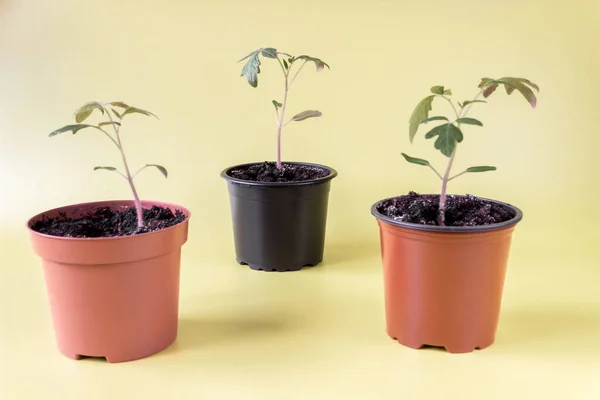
column 332, row 174
column 450, row 229
column 30, row 221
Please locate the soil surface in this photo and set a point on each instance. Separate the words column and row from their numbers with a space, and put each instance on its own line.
column 107, row 223
column 460, row 210
column 268, row 172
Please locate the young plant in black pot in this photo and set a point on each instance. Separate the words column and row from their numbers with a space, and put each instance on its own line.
column 279, row 208
column 445, row 256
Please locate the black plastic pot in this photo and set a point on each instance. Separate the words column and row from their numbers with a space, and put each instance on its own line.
column 279, row 226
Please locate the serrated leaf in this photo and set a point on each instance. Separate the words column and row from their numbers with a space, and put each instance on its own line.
column 72, row 128
column 464, row 104
column 514, row 81
column 489, row 85
column 135, row 110
column 162, row 169
column 418, row 161
column 249, row 55
column 118, row 104
column 277, row 104
column 448, row 135
column 109, row 123
column 440, row 118
column 251, row 69
column 437, row 90
column 481, row 168
column 484, row 82
column 269, row 52
column 307, row 114
column 320, row 64
column 86, row 110
column 469, row 121
column 420, row 113
column 518, row 84
column 106, row 168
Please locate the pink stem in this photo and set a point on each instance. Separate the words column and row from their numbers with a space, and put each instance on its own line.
column 283, row 106
column 445, row 178
column 136, row 198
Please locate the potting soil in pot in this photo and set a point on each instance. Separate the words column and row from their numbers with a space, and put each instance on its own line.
column 105, row 222
column 268, row 172
column 466, row 210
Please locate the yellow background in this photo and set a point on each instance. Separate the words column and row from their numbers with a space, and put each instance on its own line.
column 318, row 333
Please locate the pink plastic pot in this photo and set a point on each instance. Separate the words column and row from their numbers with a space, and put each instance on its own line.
column 118, row 297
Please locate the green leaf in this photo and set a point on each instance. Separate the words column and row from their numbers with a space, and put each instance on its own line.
column 464, row 104
column 420, row 113
column 481, row 168
column 252, row 68
column 318, row 62
column 72, row 128
column 484, row 82
column 285, row 64
column 162, row 169
column 249, row 55
column 469, row 121
column 106, row 168
column 118, row 104
column 490, row 85
column 426, row 120
column 277, row 104
column 117, row 114
column 132, row 110
column 448, row 135
column 109, row 123
column 86, row 110
column 418, row 161
column 269, row 52
column 307, row 114
column 437, row 90
column 448, row 92
column 520, row 84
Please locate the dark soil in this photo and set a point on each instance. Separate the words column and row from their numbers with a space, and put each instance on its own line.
column 107, row 223
column 268, row 172
column 460, row 210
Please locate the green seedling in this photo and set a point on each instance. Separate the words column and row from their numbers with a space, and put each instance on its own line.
column 287, row 62
column 449, row 133
column 115, row 112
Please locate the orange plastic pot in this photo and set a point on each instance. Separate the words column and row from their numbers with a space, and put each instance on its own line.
column 117, row 297
column 443, row 285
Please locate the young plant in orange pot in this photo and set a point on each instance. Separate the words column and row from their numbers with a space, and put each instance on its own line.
column 279, row 208
column 112, row 267
column 445, row 256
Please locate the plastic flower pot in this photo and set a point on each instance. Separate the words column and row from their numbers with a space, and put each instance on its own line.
column 279, row 226
column 112, row 297
column 443, row 285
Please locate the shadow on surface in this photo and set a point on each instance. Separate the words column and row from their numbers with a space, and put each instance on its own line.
column 551, row 332
column 351, row 252
column 210, row 331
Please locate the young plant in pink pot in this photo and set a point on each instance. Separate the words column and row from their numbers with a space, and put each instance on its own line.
column 112, row 267
column 279, row 208
column 445, row 256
